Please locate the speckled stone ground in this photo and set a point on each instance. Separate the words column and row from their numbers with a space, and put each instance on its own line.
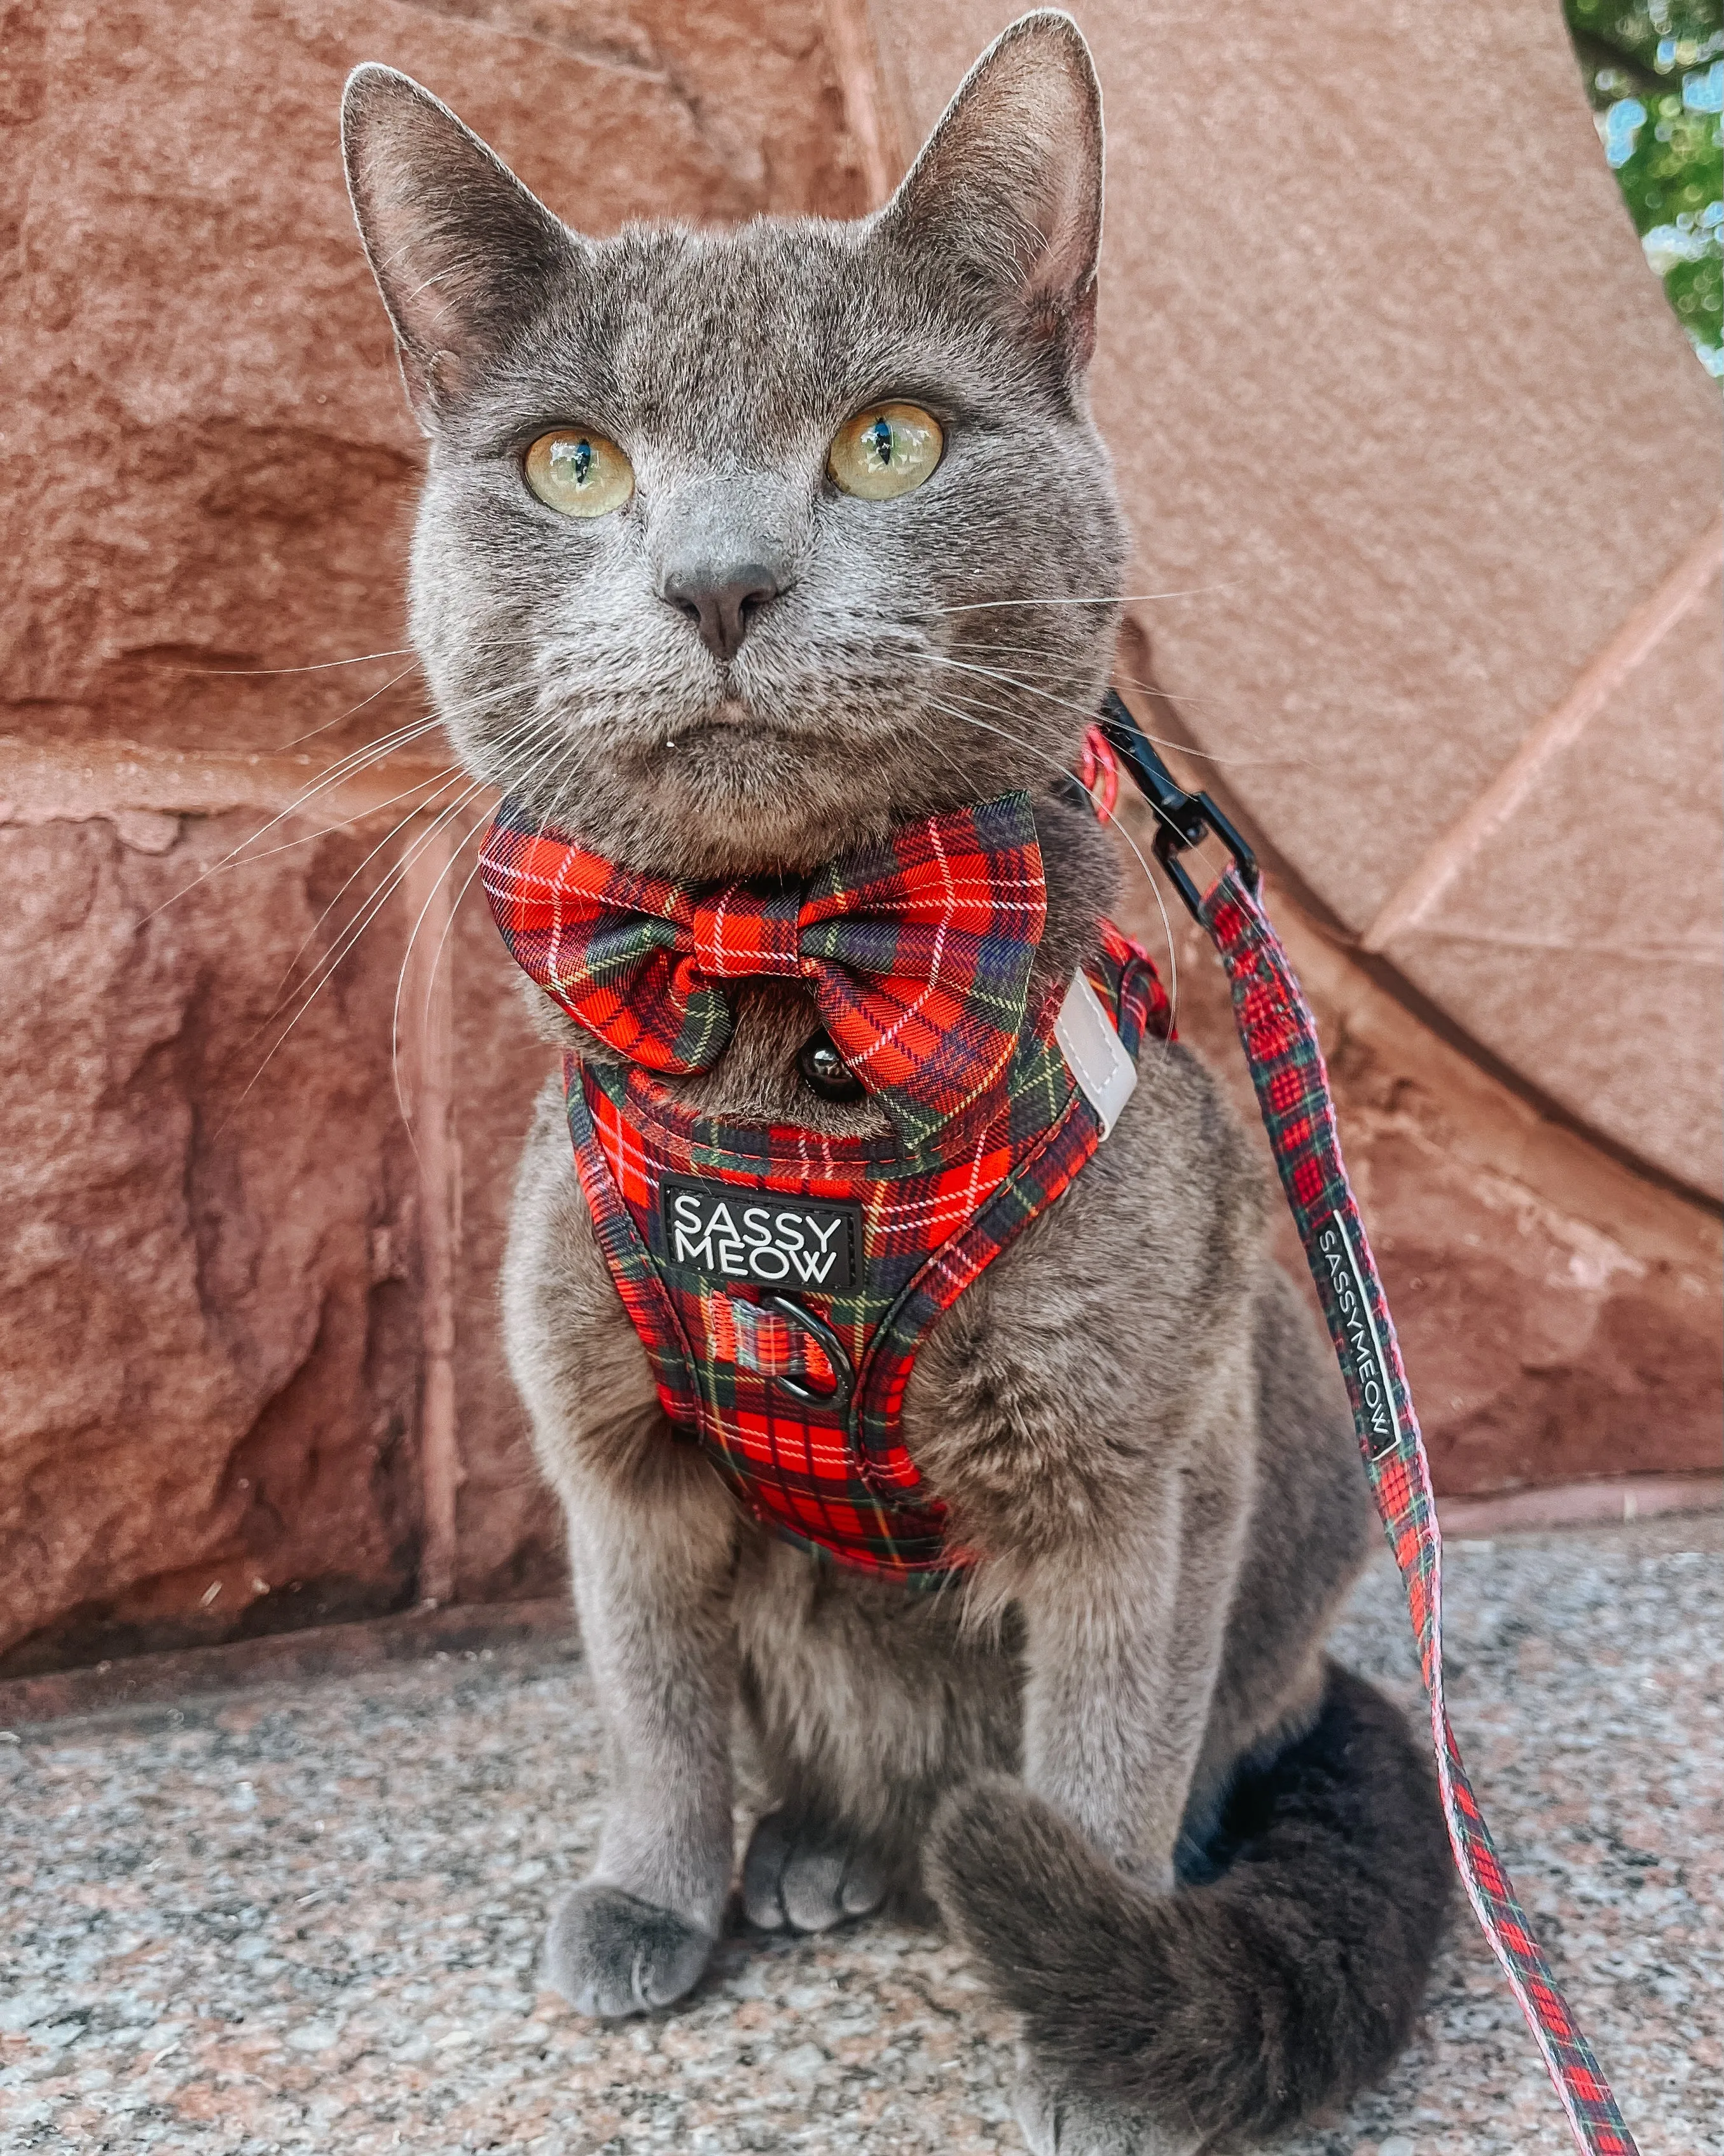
column 307, row 1916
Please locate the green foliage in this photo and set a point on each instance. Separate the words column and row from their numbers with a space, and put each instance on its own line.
column 1654, row 73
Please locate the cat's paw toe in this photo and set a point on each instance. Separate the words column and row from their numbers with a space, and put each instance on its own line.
column 804, row 1877
column 608, row 1954
column 1061, row 2118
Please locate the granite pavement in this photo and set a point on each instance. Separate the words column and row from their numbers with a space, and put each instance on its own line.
column 307, row 1915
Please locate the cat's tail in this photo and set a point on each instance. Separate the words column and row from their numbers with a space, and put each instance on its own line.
column 1234, row 2008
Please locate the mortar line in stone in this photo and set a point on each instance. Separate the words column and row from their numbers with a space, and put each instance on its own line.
column 1638, row 636
column 45, row 784
column 428, row 1044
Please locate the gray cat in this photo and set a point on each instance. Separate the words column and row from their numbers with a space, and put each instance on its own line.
column 1205, row 1866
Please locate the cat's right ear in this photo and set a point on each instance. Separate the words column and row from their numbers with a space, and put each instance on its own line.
column 462, row 252
column 1006, row 191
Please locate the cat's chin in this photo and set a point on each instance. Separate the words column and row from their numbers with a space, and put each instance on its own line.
column 743, row 795
column 748, row 821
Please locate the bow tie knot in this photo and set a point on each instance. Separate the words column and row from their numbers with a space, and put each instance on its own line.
column 917, row 950
column 738, row 931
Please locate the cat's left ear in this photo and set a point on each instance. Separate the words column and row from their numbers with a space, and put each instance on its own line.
column 463, row 254
column 1007, row 188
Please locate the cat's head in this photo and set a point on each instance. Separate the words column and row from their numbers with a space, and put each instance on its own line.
column 735, row 546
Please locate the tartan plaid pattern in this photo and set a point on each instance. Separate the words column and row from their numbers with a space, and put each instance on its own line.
column 837, row 1477
column 1280, row 1043
column 917, row 950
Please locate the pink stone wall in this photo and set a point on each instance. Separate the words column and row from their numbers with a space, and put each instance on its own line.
column 1428, row 473
column 207, row 1307
column 1559, row 1314
column 249, row 1374
column 1424, row 477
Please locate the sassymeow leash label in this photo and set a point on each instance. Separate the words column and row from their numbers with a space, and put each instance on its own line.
column 1364, row 1350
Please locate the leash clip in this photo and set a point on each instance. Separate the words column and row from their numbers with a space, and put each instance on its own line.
column 1183, row 819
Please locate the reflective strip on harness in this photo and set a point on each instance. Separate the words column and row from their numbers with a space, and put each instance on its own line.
column 1106, row 1075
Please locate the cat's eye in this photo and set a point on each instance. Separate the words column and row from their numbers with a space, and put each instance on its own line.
column 579, row 473
column 888, row 449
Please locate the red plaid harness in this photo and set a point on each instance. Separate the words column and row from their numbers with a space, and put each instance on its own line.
column 781, row 1283
column 797, row 1395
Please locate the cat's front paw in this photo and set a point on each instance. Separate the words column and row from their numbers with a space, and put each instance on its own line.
column 608, row 1954
column 807, row 1876
column 1059, row 2118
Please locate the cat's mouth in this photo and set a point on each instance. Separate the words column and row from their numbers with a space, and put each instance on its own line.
column 730, row 711
column 726, row 718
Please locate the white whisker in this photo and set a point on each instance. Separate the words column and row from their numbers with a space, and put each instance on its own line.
column 437, row 955
column 312, row 732
column 453, row 775
column 407, row 957
column 910, row 641
column 317, row 666
column 347, row 767
column 437, row 778
column 1211, row 705
column 537, row 731
column 532, row 727
column 351, row 934
column 1012, row 681
column 344, row 767
column 1107, row 599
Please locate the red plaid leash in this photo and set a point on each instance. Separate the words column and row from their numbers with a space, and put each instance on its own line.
column 1279, row 1037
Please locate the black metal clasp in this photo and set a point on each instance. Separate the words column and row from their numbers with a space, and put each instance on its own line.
column 1183, row 819
column 842, row 1371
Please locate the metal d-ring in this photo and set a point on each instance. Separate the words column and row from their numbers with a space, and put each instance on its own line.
column 817, row 1329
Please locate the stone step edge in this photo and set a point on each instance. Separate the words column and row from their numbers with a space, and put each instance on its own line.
column 142, row 1683
column 137, row 1682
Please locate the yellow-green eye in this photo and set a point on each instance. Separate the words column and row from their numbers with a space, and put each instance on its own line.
column 888, row 449
column 579, row 473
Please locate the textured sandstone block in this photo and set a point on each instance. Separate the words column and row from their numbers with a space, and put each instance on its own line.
column 250, row 1372
column 208, row 463
column 1597, row 963
column 208, row 1333
column 1559, row 1318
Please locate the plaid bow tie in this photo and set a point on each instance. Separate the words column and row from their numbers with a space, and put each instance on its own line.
column 918, row 950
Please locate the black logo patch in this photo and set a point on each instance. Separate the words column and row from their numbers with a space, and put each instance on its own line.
column 1376, row 1410
column 727, row 1233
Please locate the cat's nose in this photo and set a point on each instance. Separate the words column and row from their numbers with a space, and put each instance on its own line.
column 722, row 603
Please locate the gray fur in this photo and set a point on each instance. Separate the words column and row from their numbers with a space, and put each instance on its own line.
column 1129, row 1413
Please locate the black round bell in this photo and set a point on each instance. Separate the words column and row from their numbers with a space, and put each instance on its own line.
column 826, row 1071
